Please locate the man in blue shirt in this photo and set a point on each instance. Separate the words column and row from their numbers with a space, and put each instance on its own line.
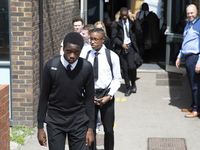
column 191, row 50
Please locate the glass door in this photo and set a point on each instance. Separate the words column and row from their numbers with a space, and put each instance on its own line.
column 4, row 31
column 176, row 21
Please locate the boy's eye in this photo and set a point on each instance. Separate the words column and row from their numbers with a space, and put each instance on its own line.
column 68, row 51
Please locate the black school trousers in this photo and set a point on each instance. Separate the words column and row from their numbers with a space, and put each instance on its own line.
column 107, row 118
column 73, row 126
column 128, row 68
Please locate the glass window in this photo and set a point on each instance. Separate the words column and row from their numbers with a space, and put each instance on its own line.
column 4, row 31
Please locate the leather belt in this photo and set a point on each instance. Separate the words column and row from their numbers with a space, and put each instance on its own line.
column 191, row 54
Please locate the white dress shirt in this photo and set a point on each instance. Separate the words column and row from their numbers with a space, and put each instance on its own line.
column 105, row 74
column 85, row 49
column 127, row 40
column 140, row 14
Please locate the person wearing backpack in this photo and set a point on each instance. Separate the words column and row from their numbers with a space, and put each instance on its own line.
column 66, row 101
column 107, row 78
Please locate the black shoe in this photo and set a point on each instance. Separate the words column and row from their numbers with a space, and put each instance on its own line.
column 134, row 89
column 128, row 92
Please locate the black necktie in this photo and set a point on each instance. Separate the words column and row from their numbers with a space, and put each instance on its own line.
column 95, row 66
column 144, row 15
column 69, row 67
column 127, row 33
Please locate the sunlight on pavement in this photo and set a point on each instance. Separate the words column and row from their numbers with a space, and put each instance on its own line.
column 117, row 99
column 123, row 99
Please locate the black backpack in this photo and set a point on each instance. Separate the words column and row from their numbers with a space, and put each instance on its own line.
column 54, row 65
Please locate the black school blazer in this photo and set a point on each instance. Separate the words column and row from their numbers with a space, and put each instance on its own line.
column 118, row 34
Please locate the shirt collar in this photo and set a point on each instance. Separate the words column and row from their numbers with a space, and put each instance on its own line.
column 100, row 51
column 65, row 63
column 194, row 20
column 86, row 44
column 126, row 20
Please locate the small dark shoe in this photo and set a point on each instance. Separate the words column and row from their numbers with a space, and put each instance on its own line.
column 134, row 89
column 128, row 92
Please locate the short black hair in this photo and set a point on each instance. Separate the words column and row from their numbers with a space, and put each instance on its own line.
column 74, row 38
column 99, row 30
column 123, row 9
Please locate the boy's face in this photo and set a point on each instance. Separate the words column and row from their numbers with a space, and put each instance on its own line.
column 72, row 52
column 85, row 35
column 96, row 40
column 124, row 15
column 78, row 26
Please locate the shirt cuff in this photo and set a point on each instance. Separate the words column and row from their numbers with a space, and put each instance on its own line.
column 91, row 124
column 40, row 125
column 179, row 55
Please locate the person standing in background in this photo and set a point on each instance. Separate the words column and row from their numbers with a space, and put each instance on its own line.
column 141, row 15
column 107, row 42
column 87, row 29
column 78, row 26
column 124, row 37
column 191, row 50
column 107, row 19
column 149, row 23
column 107, row 77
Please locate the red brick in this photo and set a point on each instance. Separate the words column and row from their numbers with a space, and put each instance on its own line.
column 13, row 9
column 4, row 118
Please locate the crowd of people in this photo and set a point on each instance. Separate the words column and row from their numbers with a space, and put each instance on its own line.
column 78, row 87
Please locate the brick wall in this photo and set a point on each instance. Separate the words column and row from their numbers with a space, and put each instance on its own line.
column 25, row 55
column 4, row 118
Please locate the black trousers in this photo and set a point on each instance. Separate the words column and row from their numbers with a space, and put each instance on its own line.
column 128, row 68
column 107, row 118
column 74, row 126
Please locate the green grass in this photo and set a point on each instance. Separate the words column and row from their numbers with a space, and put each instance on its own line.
column 19, row 133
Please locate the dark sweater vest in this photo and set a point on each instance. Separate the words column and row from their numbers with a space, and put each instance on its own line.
column 63, row 96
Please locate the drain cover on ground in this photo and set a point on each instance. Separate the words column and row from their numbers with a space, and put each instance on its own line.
column 166, row 144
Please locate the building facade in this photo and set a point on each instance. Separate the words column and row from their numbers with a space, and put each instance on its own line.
column 25, row 49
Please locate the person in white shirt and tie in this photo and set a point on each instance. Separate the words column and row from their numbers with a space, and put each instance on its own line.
column 107, row 77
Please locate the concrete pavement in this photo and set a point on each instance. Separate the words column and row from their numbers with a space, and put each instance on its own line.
column 154, row 111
